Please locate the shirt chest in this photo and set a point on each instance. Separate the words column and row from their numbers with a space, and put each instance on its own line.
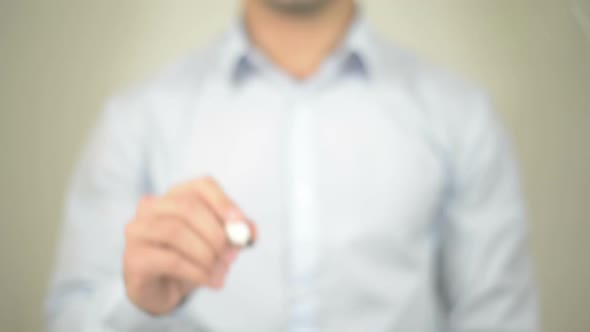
column 370, row 171
column 337, row 181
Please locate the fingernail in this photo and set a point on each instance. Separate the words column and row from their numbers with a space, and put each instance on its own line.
column 230, row 255
column 220, row 278
column 234, row 214
column 220, row 270
column 218, row 282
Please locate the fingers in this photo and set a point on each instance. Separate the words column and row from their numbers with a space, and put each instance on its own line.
column 166, row 263
column 177, row 243
column 211, row 193
column 208, row 191
column 182, row 236
column 230, row 256
column 191, row 231
column 181, row 247
column 198, row 218
column 175, row 235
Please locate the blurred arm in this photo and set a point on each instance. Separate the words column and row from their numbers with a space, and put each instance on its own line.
column 88, row 293
column 486, row 273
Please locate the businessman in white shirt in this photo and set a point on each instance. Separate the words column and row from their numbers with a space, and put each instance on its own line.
column 381, row 192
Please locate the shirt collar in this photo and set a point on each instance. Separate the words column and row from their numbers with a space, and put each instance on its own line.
column 357, row 48
column 239, row 58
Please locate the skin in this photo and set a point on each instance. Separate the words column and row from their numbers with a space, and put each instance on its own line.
column 298, row 40
column 176, row 243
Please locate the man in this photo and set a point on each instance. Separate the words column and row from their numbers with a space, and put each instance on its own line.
column 381, row 192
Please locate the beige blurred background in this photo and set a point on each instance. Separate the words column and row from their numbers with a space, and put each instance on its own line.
column 60, row 59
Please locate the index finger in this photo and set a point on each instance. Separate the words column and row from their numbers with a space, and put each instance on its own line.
column 208, row 190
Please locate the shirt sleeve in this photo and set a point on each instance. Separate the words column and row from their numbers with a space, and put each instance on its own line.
column 486, row 273
column 87, row 292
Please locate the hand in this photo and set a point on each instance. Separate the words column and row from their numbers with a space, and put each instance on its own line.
column 177, row 243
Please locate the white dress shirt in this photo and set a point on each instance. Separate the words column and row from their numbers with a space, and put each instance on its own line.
column 384, row 191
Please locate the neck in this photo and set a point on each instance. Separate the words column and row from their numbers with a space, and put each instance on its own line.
column 298, row 43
